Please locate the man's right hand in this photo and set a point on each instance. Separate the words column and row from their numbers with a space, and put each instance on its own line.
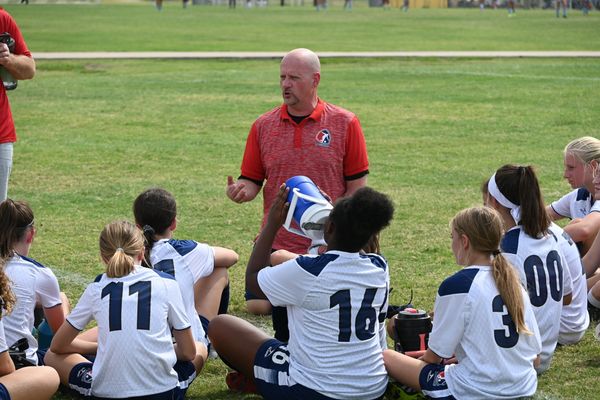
column 242, row 190
column 4, row 53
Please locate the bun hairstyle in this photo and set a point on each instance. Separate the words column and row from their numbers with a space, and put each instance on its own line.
column 15, row 218
column 520, row 185
column 585, row 149
column 483, row 226
column 121, row 243
column 360, row 216
column 154, row 210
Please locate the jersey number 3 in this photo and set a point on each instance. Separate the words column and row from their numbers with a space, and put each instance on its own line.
column 114, row 291
column 503, row 340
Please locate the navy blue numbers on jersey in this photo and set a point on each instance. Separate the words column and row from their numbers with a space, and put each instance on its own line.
column 114, row 291
column 544, row 279
column 500, row 336
column 144, row 291
column 165, row 266
column 366, row 317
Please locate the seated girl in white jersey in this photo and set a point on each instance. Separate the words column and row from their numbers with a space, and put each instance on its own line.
column 581, row 157
column 336, row 304
column 26, row 383
column 136, row 308
column 199, row 269
column 574, row 318
column 532, row 249
column 483, row 316
column 591, row 262
column 31, row 282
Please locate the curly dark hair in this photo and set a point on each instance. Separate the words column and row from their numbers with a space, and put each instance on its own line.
column 360, row 216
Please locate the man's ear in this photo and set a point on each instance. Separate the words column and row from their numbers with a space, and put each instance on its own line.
column 173, row 225
column 316, row 79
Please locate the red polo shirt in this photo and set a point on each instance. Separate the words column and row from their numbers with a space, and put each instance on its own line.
column 328, row 146
column 7, row 125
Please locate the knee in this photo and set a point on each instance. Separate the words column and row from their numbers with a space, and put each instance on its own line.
column 258, row 306
column 217, row 326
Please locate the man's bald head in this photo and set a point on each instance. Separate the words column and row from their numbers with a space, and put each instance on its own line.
column 307, row 58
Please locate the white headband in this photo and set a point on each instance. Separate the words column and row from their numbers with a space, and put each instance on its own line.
column 494, row 191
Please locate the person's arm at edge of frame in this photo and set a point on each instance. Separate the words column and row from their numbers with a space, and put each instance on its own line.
column 20, row 66
column 582, row 229
column 224, row 257
column 591, row 259
column 6, row 364
column 242, row 190
column 355, row 184
column 260, row 257
column 66, row 341
column 553, row 214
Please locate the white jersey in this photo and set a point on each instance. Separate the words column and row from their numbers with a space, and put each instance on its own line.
column 135, row 314
column 471, row 321
column 3, row 345
column 336, row 305
column 187, row 261
column 574, row 317
column 576, row 204
column 31, row 282
column 540, row 265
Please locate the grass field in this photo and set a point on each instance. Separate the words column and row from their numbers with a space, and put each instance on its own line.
column 139, row 27
column 93, row 134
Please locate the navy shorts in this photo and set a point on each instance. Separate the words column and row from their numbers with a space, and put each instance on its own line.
column 271, row 374
column 251, row 296
column 80, row 381
column 40, row 355
column 433, row 382
column 4, row 395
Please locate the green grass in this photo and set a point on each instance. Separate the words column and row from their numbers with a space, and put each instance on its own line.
column 139, row 27
column 94, row 134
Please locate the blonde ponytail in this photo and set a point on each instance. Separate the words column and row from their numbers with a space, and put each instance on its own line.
column 483, row 227
column 121, row 243
column 510, row 289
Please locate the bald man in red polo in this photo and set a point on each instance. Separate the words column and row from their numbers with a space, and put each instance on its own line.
column 304, row 136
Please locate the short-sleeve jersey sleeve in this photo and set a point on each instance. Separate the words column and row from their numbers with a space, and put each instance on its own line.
column 449, row 316
column 177, row 316
column 83, row 312
column 11, row 27
column 286, row 284
column 562, row 206
column 356, row 159
column 3, row 345
column 252, row 165
column 47, row 290
column 201, row 261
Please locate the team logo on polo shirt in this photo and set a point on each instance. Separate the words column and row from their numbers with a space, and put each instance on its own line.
column 323, row 138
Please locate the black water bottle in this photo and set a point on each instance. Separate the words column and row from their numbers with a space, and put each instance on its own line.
column 412, row 328
column 10, row 83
